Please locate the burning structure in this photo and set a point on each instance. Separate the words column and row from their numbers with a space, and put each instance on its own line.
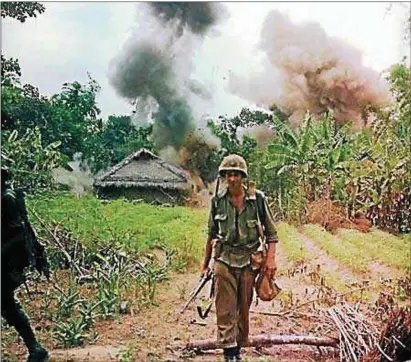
column 143, row 175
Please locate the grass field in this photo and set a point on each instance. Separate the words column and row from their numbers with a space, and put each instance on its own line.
column 142, row 227
column 316, row 269
column 138, row 226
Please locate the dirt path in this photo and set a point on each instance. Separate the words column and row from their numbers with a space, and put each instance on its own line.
column 326, row 263
column 376, row 275
column 157, row 334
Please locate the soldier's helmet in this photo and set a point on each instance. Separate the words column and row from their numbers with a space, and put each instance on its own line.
column 233, row 163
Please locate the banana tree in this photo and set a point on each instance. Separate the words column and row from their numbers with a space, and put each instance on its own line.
column 334, row 147
column 292, row 161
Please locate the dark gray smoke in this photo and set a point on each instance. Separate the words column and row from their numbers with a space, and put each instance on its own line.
column 153, row 69
column 143, row 71
column 198, row 17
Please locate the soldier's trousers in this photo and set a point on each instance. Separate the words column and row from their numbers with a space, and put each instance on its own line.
column 12, row 312
column 234, row 294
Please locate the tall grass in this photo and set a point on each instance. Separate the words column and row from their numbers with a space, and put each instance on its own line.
column 292, row 243
column 139, row 226
column 380, row 246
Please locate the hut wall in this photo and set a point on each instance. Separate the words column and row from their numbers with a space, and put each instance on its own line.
column 147, row 194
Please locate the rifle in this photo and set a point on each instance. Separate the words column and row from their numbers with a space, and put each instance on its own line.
column 205, row 278
column 209, row 304
column 203, row 281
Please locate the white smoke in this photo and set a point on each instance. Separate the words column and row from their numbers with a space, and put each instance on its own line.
column 79, row 182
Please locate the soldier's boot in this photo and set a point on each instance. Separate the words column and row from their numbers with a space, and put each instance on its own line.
column 230, row 354
column 238, row 355
column 21, row 322
column 38, row 354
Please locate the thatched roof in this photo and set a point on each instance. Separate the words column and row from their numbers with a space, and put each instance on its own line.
column 143, row 169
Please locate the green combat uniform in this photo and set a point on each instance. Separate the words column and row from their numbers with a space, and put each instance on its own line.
column 239, row 238
column 19, row 249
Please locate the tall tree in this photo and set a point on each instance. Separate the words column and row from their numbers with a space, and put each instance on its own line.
column 21, row 10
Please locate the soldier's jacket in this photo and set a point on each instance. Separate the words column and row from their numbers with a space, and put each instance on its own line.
column 238, row 231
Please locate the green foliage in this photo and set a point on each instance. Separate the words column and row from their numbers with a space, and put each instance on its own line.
column 73, row 116
column 22, row 107
column 66, row 302
column 151, row 273
column 227, row 131
column 32, row 160
column 139, row 226
column 21, row 10
column 71, row 333
column 127, row 354
column 10, row 70
column 115, row 140
column 400, row 77
column 292, row 243
column 65, row 121
column 74, row 317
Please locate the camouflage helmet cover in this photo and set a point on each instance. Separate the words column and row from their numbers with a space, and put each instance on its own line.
column 233, row 163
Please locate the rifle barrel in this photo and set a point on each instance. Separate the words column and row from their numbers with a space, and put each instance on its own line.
column 203, row 281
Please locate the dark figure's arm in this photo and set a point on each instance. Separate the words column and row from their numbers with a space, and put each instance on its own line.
column 37, row 250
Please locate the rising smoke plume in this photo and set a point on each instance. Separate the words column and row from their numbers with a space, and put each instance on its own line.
column 261, row 133
column 307, row 70
column 197, row 17
column 154, row 67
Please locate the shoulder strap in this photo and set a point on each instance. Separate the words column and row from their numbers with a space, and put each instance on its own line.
column 259, row 208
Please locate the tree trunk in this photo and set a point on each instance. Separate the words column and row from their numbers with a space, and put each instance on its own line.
column 268, row 340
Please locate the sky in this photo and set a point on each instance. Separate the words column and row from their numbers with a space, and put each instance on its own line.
column 71, row 39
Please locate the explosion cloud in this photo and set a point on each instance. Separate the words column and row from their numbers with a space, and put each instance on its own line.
column 198, row 17
column 307, row 70
column 153, row 69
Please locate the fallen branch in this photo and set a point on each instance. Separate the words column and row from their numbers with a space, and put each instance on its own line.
column 262, row 340
column 57, row 241
column 293, row 315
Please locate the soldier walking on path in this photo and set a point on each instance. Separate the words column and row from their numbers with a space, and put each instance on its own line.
column 19, row 249
column 233, row 221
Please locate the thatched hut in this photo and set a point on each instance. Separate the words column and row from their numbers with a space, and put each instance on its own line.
column 145, row 176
